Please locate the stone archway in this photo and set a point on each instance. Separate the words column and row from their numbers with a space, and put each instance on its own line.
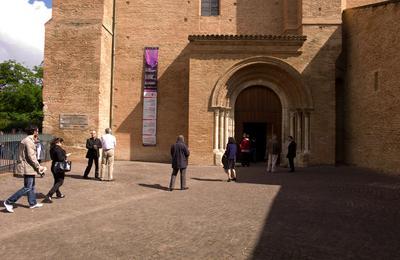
column 281, row 78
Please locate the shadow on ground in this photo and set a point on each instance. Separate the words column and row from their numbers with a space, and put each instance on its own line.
column 154, row 186
column 205, row 179
column 319, row 213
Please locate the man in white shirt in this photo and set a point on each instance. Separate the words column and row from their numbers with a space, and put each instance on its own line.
column 108, row 143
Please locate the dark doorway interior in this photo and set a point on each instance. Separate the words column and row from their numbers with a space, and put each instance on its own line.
column 258, row 112
column 257, row 133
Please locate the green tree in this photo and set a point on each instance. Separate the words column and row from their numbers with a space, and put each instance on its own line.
column 20, row 95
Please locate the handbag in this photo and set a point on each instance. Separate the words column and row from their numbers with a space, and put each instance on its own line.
column 64, row 166
column 224, row 161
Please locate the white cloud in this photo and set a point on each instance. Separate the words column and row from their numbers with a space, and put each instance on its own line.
column 22, row 31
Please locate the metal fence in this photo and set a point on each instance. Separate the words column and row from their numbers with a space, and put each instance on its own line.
column 9, row 148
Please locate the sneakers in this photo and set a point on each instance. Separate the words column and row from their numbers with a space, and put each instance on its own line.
column 61, row 196
column 9, row 207
column 37, row 205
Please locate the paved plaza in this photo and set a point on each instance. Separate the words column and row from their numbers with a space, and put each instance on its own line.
column 314, row 213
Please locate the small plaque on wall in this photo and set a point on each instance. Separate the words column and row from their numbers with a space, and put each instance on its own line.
column 70, row 121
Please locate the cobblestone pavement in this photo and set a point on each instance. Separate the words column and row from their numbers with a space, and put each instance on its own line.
column 314, row 213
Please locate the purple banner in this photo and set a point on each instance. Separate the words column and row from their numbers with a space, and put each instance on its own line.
column 149, row 129
column 150, row 68
column 151, row 56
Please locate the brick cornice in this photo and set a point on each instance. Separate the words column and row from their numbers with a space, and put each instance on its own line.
column 241, row 37
column 286, row 45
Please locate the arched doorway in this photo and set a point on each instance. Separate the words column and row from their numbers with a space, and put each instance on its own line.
column 258, row 113
column 282, row 83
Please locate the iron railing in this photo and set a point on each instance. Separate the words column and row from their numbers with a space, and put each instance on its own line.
column 9, row 148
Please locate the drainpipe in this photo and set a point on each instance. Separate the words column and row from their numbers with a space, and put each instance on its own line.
column 112, row 65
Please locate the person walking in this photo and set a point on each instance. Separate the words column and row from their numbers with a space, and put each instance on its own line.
column 272, row 153
column 291, row 154
column 230, row 153
column 40, row 152
column 245, row 150
column 92, row 145
column 57, row 154
column 179, row 155
column 29, row 167
column 108, row 142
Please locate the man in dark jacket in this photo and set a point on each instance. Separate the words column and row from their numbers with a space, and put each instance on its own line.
column 92, row 144
column 179, row 155
column 291, row 153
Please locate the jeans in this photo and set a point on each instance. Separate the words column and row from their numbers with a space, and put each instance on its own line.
column 29, row 188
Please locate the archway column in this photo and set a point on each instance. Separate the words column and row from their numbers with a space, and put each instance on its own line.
column 292, row 122
column 216, row 129
column 306, row 131
column 299, row 130
column 221, row 132
column 226, row 127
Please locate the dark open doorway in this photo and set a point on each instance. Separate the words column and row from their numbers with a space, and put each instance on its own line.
column 257, row 133
column 258, row 112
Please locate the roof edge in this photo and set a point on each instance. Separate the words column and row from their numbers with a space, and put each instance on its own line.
column 374, row 5
column 257, row 37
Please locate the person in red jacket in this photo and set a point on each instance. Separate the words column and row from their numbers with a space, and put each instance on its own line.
column 245, row 150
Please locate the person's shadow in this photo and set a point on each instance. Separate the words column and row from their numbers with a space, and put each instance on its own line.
column 77, row 176
column 205, row 179
column 154, row 186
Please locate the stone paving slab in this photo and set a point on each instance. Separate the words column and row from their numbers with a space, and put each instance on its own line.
column 315, row 213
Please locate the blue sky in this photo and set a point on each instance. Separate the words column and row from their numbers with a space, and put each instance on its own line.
column 22, row 30
column 46, row 2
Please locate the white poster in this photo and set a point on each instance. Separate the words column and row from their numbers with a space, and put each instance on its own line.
column 149, row 129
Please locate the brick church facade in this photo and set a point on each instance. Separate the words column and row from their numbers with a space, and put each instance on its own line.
column 224, row 68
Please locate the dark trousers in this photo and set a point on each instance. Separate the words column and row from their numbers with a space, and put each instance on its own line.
column 173, row 177
column 58, row 182
column 246, row 158
column 89, row 167
column 291, row 163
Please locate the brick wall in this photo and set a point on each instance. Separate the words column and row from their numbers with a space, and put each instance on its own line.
column 78, row 58
column 76, row 69
column 167, row 24
column 372, row 122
